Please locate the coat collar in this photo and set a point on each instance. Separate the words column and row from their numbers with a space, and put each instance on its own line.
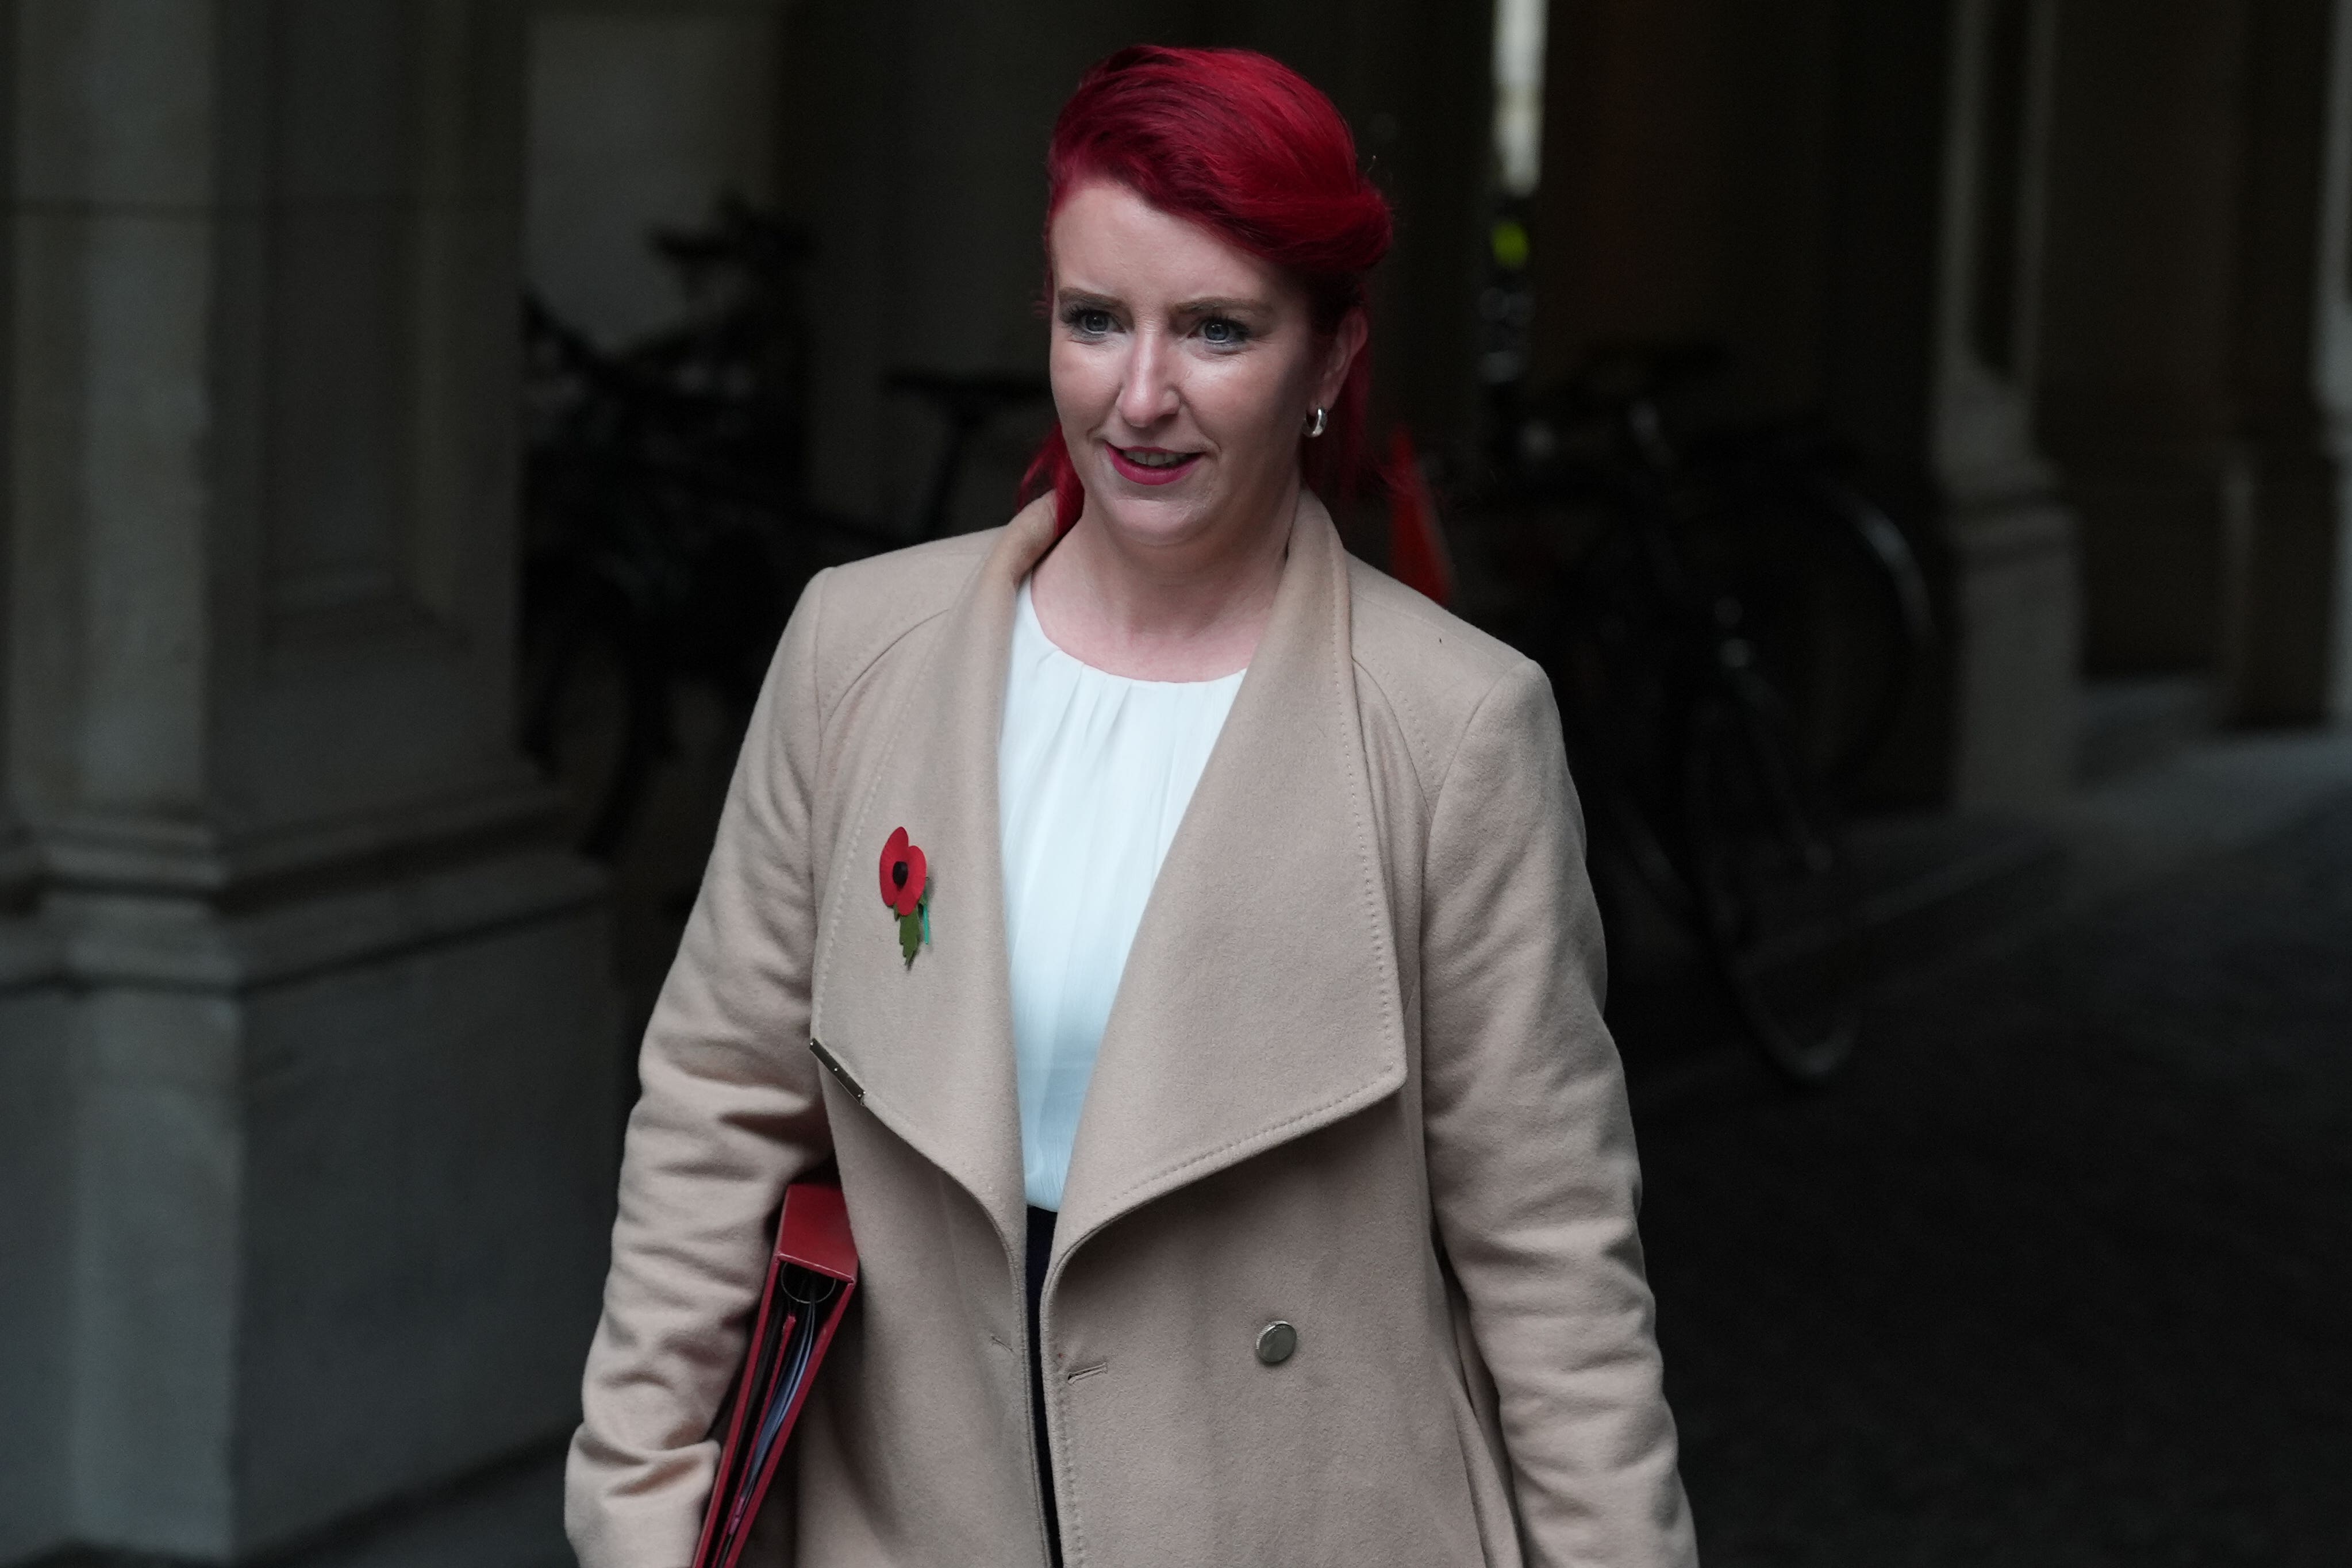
column 1260, row 1000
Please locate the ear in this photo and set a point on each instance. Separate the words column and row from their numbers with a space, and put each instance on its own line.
column 1347, row 343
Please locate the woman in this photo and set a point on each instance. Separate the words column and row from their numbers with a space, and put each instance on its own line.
column 1268, row 864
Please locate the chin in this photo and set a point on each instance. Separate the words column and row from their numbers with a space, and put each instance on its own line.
column 1152, row 519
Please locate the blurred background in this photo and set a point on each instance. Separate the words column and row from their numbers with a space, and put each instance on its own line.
column 1913, row 436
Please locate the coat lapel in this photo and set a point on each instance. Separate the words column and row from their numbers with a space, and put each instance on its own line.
column 1260, row 1001
column 927, row 1048
column 1261, row 998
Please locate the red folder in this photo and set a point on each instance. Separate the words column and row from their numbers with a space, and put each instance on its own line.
column 810, row 1281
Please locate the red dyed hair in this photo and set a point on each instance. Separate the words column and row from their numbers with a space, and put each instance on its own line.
column 1246, row 148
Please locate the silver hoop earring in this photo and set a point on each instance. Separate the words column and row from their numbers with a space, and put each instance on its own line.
column 1315, row 427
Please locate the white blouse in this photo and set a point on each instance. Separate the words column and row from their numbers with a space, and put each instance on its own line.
column 1094, row 772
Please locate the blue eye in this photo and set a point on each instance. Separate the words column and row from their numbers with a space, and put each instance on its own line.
column 1220, row 332
column 1087, row 321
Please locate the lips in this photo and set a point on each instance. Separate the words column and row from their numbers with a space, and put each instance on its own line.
column 1152, row 464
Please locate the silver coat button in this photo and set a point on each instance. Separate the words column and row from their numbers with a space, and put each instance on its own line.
column 1276, row 1342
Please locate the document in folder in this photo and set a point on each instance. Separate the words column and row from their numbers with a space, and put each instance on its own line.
column 811, row 1276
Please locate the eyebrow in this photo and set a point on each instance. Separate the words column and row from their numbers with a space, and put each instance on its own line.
column 1226, row 307
column 1220, row 305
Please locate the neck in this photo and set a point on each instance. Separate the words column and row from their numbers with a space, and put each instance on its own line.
column 1191, row 610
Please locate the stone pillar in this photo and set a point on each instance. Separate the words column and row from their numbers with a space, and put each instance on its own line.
column 34, row 1197
column 2286, row 631
column 1931, row 337
column 309, row 1085
column 2134, row 392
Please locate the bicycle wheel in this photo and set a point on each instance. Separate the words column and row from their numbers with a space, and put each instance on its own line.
column 1775, row 888
column 1831, row 599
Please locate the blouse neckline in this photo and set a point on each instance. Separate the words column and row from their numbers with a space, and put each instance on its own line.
column 1033, row 629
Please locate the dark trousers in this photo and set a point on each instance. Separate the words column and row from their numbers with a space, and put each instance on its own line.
column 1041, row 1246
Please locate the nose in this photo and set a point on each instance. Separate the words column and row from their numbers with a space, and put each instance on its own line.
column 1147, row 394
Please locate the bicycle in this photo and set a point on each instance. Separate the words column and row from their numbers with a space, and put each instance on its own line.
column 1692, row 590
column 667, row 524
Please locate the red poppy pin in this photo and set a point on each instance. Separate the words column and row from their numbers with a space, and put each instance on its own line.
column 907, row 888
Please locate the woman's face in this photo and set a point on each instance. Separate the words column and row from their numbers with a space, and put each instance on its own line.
column 1184, row 370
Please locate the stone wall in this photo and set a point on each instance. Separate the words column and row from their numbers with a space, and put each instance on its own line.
column 304, row 1094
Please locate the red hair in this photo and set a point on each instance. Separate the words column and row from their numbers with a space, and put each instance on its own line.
column 1246, row 148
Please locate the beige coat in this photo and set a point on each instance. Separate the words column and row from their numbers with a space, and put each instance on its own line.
column 1355, row 1078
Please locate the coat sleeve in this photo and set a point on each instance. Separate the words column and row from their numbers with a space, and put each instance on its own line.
column 728, row 1112
column 1530, row 1148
